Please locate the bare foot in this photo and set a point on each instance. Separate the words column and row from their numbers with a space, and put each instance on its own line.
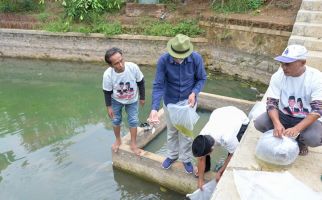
column 136, row 150
column 116, row 145
column 304, row 150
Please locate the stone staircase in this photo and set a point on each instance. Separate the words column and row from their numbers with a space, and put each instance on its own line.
column 307, row 31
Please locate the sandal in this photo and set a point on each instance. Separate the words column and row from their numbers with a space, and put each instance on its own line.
column 304, row 150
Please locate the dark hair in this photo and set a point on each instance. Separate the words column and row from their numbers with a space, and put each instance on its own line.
column 202, row 145
column 291, row 98
column 299, row 100
column 110, row 52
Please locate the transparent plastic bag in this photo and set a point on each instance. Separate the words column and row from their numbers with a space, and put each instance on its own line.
column 275, row 150
column 205, row 194
column 183, row 117
column 258, row 109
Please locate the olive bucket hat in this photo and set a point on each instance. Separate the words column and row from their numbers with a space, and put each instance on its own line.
column 180, row 46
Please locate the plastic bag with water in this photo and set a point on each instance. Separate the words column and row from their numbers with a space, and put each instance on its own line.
column 205, row 194
column 275, row 150
column 183, row 117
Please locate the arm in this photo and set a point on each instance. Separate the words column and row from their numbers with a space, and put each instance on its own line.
column 108, row 103
column 158, row 85
column 272, row 111
column 141, row 87
column 201, row 171
column 314, row 115
column 222, row 169
column 200, row 74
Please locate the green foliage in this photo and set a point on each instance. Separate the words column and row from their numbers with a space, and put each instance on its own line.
column 187, row 27
column 237, row 5
column 113, row 5
column 108, row 28
column 43, row 17
column 99, row 26
column 20, row 5
column 83, row 9
column 58, row 26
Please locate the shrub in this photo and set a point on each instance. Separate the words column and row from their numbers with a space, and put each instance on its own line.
column 20, row 5
column 187, row 27
column 237, row 5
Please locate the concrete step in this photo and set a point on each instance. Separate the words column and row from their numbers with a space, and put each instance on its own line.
column 312, row 5
column 314, row 59
column 307, row 29
column 311, row 43
column 309, row 16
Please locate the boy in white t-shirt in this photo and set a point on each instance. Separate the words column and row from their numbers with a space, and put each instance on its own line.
column 123, row 82
column 225, row 127
column 294, row 100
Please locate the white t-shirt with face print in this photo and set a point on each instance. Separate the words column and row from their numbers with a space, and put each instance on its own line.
column 123, row 84
column 296, row 93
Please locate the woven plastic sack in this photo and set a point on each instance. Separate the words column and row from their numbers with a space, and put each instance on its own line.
column 258, row 109
column 275, row 150
column 261, row 185
column 204, row 194
column 183, row 117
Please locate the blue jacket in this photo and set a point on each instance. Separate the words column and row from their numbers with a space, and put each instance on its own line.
column 175, row 82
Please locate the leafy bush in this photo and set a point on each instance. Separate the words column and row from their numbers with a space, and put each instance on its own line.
column 187, row 27
column 20, row 5
column 83, row 9
column 237, row 5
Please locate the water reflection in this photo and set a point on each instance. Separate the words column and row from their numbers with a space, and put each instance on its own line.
column 55, row 137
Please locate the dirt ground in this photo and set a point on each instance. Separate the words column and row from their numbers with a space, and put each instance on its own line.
column 274, row 12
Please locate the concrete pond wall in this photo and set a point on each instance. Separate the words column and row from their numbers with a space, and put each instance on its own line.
column 148, row 165
column 242, row 51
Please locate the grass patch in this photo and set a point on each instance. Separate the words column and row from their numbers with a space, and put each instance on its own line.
column 238, row 6
column 20, row 6
column 164, row 28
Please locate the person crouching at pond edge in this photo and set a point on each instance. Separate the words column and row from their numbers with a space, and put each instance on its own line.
column 180, row 76
column 225, row 128
column 123, row 83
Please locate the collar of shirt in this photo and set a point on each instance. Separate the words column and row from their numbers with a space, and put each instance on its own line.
column 172, row 61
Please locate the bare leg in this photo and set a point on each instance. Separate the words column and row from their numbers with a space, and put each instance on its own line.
column 118, row 141
column 134, row 148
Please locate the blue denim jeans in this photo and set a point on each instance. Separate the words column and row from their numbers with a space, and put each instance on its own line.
column 131, row 111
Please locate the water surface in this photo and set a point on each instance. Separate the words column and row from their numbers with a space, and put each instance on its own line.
column 55, row 136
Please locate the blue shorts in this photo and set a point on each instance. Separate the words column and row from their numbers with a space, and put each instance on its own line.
column 131, row 111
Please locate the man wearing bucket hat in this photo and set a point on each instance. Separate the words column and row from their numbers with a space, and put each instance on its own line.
column 225, row 128
column 295, row 80
column 180, row 76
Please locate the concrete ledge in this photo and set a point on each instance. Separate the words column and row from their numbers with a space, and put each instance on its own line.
column 148, row 165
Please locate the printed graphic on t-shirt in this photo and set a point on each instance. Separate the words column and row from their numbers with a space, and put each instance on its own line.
column 295, row 107
column 124, row 91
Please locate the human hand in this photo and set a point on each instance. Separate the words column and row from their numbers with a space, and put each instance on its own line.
column 201, row 182
column 218, row 176
column 153, row 118
column 142, row 102
column 110, row 112
column 291, row 132
column 278, row 130
column 192, row 99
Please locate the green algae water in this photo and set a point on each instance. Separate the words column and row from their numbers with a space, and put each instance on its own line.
column 55, row 136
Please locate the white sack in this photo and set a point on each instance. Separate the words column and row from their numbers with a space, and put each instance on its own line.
column 260, row 185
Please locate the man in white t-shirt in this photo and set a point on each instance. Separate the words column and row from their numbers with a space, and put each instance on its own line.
column 294, row 100
column 225, row 127
column 123, row 82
